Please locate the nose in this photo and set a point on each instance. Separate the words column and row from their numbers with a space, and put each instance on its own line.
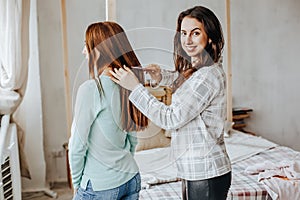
column 84, row 52
column 189, row 39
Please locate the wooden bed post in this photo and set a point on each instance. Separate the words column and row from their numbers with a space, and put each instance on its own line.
column 229, row 72
column 66, row 67
column 110, row 10
column 67, row 83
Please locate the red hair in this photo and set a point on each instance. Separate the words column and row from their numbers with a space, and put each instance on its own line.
column 110, row 40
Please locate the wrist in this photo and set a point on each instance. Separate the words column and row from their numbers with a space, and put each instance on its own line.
column 135, row 86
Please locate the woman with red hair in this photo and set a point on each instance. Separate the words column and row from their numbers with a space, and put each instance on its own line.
column 103, row 139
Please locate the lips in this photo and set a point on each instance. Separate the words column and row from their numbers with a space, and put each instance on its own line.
column 190, row 48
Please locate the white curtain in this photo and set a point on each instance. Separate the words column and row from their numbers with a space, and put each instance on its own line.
column 14, row 48
column 14, row 31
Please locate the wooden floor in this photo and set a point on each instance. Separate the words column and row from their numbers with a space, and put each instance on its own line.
column 62, row 191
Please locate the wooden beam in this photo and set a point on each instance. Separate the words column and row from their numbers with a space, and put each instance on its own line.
column 110, row 10
column 229, row 71
column 66, row 67
column 66, row 79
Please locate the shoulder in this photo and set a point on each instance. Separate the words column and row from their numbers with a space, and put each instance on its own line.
column 87, row 86
column 213, row 70
column 211, row 73
column 211, row 76
column 88, row 91
column 105, row 80
column 218, row 71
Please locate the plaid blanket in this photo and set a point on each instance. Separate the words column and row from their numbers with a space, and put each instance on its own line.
column 243, row 186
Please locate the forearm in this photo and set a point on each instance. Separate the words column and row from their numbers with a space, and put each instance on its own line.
column 167, row 117
column 168, row 77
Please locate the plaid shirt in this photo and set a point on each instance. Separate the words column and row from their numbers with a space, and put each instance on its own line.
column 196, row 118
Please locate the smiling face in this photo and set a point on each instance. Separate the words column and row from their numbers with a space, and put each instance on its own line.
column 193, row 37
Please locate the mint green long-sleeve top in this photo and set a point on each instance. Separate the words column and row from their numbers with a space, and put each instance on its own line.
column 99, row 150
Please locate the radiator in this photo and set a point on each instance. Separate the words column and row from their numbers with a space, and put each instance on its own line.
column 10, row 179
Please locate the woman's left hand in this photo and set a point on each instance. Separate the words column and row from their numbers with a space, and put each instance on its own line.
column 125, row 78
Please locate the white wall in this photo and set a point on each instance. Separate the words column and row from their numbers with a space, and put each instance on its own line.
column 52, row 84
column 79, row 15
column 151, row 25
column 264, row 51
column 31, row 110
column 45, row 125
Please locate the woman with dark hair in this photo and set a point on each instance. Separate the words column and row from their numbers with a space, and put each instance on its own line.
column 196, row 116
column 102, row 142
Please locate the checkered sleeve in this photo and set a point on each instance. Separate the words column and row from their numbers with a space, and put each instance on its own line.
column 188, row 102
column 168, row 77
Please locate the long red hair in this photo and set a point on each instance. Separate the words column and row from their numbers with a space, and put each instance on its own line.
column 110, row 41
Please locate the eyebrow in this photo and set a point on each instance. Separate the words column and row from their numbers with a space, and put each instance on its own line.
column 193, row 29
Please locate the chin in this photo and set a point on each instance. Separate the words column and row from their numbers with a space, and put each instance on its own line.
column 192, row 54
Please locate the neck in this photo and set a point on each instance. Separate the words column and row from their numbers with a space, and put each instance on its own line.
column 106, row 71
column 195, row 61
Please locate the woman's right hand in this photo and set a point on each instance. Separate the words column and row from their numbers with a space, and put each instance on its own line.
column 154, row 71
column 125, row 78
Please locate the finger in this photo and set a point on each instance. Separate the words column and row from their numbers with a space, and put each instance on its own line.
column 115, row 80
column 151, row 72
column 148, row 69
column 118, row 71
column 125, row 67
column 121, row 70
column 128, row 69
column 114, row 74
column 152, row 67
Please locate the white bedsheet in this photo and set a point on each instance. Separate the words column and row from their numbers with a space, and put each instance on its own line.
column 241, row 146
column 156, row 166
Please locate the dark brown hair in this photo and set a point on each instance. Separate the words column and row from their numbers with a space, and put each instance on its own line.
column 108, row 45
column 213, row 50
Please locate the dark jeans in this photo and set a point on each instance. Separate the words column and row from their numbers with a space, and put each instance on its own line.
column 209, row 189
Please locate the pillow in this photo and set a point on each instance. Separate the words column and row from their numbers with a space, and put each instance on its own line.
column 152, row 137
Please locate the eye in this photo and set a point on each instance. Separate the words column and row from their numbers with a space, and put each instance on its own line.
column 196, row 33
column 183, row 33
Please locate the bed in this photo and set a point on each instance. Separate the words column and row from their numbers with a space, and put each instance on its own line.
column 159, row 173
